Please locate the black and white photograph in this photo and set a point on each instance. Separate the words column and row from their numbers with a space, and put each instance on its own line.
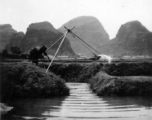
column 76, row 59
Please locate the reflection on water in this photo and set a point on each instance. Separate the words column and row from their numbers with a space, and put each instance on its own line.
column 33, row 108
column 131, row 101
column 82, row 104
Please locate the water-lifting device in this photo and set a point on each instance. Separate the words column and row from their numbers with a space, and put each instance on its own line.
column 62, row 38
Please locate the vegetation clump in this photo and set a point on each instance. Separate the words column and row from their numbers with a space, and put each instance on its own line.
column 122, row 79
column 28, row 81
column 129, row 69
column 75, row 72
column 106, row 85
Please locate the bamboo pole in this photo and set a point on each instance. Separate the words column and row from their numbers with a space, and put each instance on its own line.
column 55, row 43
column 57, row 51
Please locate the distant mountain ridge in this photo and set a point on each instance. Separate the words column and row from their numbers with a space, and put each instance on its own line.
column 6, row 32
column 6, row 28
column 42, row 26
column 15, row 40
column 132, row 38
column 39, row 34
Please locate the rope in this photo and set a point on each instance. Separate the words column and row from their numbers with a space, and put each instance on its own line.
column 57, row 51
column 84, row 41
column 55, row 43
column 85, row 45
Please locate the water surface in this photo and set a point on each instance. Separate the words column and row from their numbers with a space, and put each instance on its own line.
column 82, row 104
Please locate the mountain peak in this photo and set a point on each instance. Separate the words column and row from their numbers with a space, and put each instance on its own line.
column 132, row 39
column 83, row 20
column 5, row 25
column 6, row 32
column 90, row 30
column 130, row 29
column 7, row 28
column 134, row 25
column 42, row 26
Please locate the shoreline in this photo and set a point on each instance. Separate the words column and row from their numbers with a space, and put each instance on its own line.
column 105, row 85
column 29, row 81
column 26, row 80
column 134, row 79
column 19, row 81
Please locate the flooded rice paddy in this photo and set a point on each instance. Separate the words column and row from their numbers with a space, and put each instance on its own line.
column 82, row 104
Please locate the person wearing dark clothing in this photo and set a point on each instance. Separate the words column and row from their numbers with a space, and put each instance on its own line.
column 37, row 53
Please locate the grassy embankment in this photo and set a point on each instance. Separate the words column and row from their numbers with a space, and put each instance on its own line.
column 122, row 79
column 104, row 84
column 74, row 72
column 28, row 81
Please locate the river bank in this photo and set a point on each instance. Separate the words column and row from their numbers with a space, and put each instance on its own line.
column 75, row 72
column 29, row 81
column 105, row 85
column 22, row 81
column 115, row 79
column 81, row 104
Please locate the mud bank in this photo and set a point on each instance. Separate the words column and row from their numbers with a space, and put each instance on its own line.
column 28, row 81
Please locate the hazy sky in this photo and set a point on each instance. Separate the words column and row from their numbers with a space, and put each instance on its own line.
column 111, row 13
